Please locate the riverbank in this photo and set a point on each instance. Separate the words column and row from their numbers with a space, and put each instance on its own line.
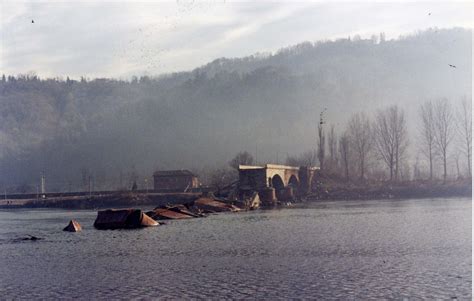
column 324, row 188
column 112, row 200
column 328, row 187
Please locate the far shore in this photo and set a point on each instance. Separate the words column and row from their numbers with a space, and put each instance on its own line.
column 102, row 201
column 325, row 189
column 330, row 187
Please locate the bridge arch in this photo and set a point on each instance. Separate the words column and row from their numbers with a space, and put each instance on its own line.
column 293, row 182
column 278, row 185
column 277, row 182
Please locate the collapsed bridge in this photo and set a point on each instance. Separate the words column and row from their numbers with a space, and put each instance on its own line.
column 275, row 182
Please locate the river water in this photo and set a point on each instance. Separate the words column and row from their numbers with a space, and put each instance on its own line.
column 403, row 249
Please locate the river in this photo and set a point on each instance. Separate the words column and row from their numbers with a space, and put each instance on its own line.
column 398, row 249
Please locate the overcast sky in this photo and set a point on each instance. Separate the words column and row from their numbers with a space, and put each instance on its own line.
column 120, row 39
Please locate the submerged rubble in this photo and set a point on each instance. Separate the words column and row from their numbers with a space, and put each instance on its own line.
column 162, row 214
column 184, row 210
column 123, row 219
column 73, row 226
column 135, row 218
column 207, row 205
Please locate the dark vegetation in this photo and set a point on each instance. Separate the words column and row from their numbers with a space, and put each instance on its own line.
column 113, row 200
column 335, row 187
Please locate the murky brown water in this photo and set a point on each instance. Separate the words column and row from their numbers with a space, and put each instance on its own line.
column 334, row 250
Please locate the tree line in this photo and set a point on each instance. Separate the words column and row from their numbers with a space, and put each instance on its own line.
column 379, row 147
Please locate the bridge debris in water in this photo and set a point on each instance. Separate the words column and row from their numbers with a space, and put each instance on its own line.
column 163, row 213
column 207, row 205
column 123, row 219
column 73, row 226
column 184, row 210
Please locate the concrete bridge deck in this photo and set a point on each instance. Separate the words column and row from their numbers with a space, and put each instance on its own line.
column 279, row 177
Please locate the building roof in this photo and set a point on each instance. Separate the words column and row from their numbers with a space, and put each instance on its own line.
column 173, row 173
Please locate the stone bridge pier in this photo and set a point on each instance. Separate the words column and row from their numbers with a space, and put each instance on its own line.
column 275, row 182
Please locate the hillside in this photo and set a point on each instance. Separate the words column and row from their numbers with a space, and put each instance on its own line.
column 112, row 129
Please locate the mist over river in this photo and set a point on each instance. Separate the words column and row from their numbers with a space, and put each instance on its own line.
column 328, row 250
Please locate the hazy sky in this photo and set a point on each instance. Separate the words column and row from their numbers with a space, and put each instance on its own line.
column 121, row 38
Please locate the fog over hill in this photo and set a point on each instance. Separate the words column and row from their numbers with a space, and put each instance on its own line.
column 269, row 103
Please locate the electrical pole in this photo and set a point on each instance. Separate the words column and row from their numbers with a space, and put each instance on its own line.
column 321, row 139
column 43, row 180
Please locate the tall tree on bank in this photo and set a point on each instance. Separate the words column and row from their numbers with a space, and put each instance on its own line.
column 465, row 129
column 360, row 137
column 427, row 133
column 307, row 158
column 242, row 158
column 344, row 150
column 443, row 130
column 391, row 138
column 332, row 146
column 321, row 141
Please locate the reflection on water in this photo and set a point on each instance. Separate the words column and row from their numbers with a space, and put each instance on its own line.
column 332, row 250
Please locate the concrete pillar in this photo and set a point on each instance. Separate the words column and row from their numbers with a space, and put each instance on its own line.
column 267, row 196
column 287, row 194
column 305, row 175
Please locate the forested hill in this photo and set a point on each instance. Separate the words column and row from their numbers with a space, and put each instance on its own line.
column 269, row 102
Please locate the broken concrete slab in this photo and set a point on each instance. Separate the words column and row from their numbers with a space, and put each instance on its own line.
column 162, row 214
column 184, row 210
column 253, row 202
column 267, row 196
column 123, row 219
column 208, row 205
column 73, row 226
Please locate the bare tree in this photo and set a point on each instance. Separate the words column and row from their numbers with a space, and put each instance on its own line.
column 332, row 145
column 456, row 156
column 391, row 138
column 443, row 130
column 321, row 142
column 465, row 129
column 360, row 138
column 344, row 151
column 242, row 158
column 427, row 132
column 416, row 168
column 221, row 177
column 307, row 158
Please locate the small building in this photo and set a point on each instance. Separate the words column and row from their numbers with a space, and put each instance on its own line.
column 175, row 180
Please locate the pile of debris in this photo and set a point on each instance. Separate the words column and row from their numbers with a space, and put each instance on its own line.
column 134, row 218
column 171, row 212
column 111, row 219
column 123, row 219
column 208, row 205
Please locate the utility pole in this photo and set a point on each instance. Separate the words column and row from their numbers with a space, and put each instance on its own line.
column 43, row 180
column 321, row 139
